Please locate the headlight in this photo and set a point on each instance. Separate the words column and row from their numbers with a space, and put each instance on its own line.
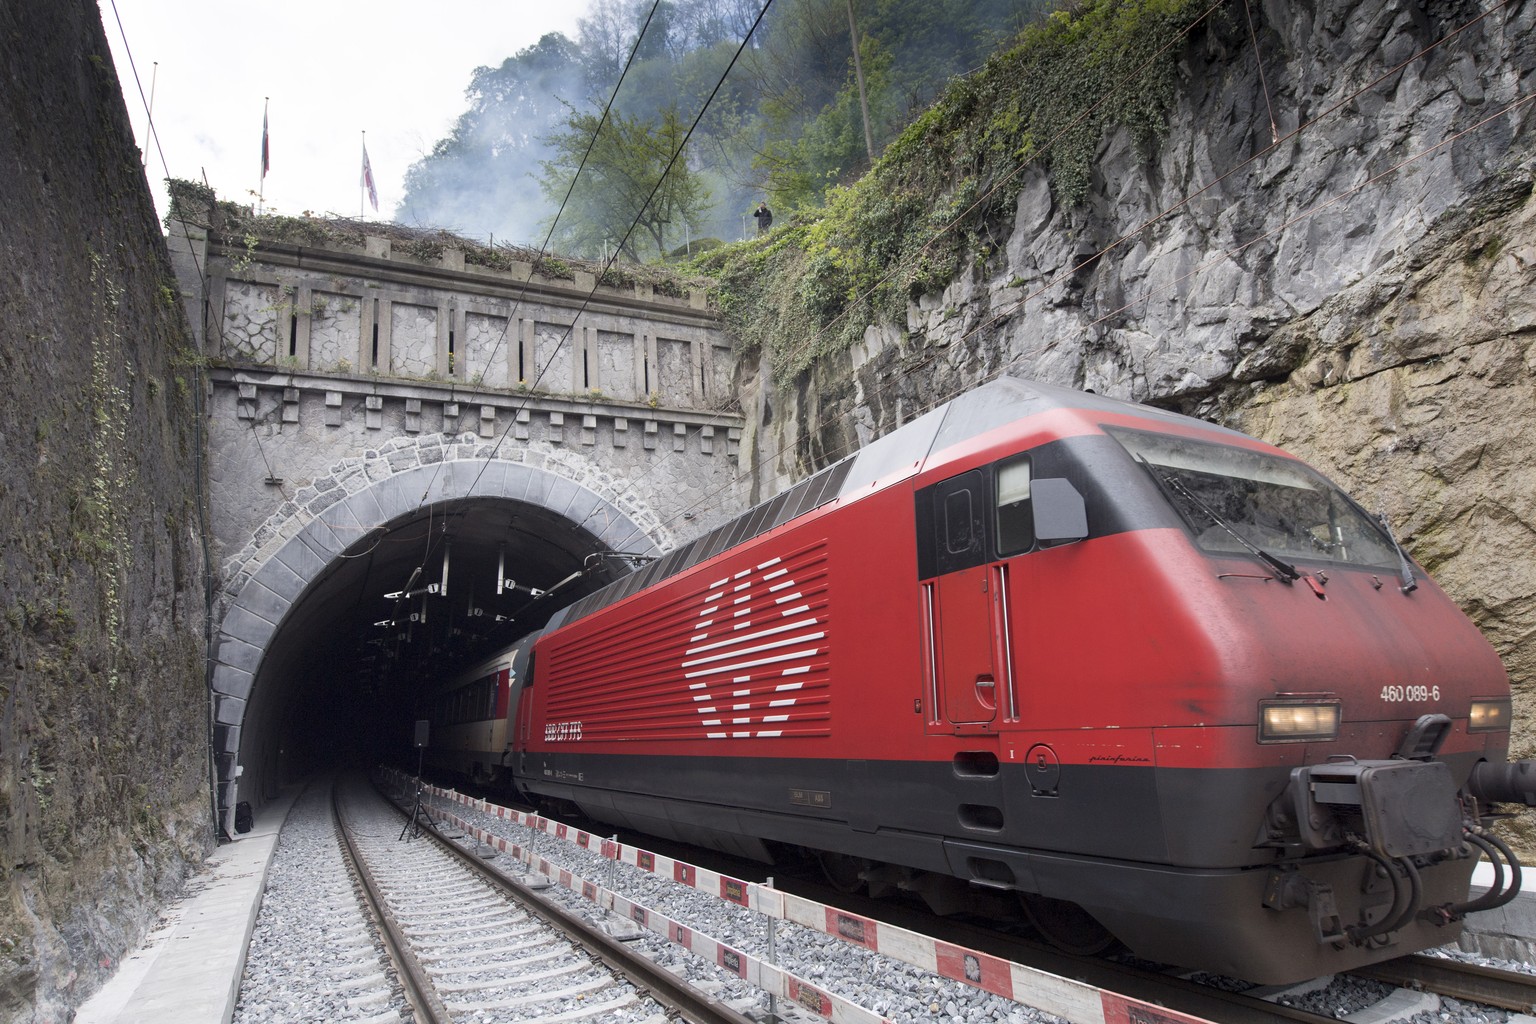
column 1292, row 723
column 1488, row 715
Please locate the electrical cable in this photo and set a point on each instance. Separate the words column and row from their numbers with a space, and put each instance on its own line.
column 948, row 227
column 199, row 483
column 634, row 224
column 1261, row 154
column 544, row 247
column 1135, row 232
column 1258, row 60
column 1312, row 211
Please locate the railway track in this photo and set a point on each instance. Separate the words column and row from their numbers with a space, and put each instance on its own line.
column 314, row 954
column 1474, row 983
column 1395, row 980
column 474, row 945
column 1346, row 997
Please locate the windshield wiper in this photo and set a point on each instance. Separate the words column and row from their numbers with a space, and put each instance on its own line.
column 1404, row 566
column 1287, row 572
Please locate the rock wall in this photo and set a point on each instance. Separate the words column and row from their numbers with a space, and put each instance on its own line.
column 1333, row 248
column 103, row 716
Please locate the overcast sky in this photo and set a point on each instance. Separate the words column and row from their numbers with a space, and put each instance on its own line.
column 396, row 69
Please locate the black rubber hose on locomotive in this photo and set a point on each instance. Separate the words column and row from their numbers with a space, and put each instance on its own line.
column 1359, row 933
column 1415, row 893
column 1498, row 894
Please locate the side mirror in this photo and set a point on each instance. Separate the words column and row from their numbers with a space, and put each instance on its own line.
column 1060, row 515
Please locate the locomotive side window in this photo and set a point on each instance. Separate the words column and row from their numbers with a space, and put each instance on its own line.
column 1015, row 519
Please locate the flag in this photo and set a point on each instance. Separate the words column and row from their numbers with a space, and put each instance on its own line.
column 266, row 150
column 367, row 180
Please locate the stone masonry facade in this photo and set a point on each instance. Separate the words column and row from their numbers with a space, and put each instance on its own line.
column 327, row 360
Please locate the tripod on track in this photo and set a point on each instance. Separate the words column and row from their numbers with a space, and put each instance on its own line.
column 413, row 826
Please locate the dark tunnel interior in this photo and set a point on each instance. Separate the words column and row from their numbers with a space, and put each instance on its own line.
column 409, row 604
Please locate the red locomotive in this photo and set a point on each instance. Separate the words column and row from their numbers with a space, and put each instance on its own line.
column 1149, row 677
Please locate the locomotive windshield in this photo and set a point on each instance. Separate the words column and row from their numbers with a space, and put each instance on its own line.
column 1230, row 496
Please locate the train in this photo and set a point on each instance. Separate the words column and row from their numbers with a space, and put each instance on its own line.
column 1139, row 679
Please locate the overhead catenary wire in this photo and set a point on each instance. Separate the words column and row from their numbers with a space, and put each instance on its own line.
column 1275, row 141
column 543, row 248
column 611, row 259
column 549, row 235
column 939, row 233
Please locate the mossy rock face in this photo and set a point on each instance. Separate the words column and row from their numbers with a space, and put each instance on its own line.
column 936, row 205
column 103, row 786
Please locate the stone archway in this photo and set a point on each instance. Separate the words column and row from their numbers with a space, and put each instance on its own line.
column 298, row 542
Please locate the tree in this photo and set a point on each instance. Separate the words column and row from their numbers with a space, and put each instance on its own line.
column 616, row 200
column 479, row 178
column 789, row 120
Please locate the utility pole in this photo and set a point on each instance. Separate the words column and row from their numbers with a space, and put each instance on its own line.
column 858, row 74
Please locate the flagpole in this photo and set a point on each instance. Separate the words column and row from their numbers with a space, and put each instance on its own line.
column 360, row 182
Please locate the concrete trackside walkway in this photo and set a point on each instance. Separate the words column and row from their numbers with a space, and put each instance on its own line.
column 1508, row 933
column 188, row 968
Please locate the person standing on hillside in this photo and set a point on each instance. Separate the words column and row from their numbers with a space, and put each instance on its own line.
column 764, row 218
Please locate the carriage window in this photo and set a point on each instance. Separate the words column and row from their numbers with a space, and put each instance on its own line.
column 1015, row 520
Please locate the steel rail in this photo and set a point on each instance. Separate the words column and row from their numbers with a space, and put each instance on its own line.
column 1473, row 983
column 419, row 990
column 660, row 984
column 1130, row 980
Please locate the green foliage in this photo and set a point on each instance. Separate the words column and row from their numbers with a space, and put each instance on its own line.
column 1047, row 95
column 187, row 197
column 941, row 188
column 616, row 201
column 786, row 122
column 1487, row 252
column 910, row 49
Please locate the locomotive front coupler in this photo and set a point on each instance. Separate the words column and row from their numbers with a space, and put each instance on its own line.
column 1399, row 813
column 1399, row 808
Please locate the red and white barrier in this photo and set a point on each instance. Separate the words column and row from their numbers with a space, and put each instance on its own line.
column 1074, row 1001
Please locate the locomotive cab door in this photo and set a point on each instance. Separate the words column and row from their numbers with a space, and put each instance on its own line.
column 961, row 604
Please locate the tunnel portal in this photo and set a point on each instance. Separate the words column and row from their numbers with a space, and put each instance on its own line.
column 323, row 652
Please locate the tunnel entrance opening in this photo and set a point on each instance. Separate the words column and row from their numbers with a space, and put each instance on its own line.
column 324, row 652
column 409, row 604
